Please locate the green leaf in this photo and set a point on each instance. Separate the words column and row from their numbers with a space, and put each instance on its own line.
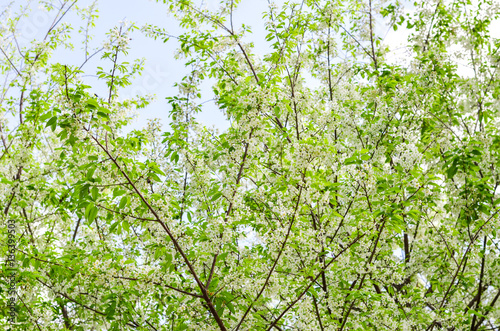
column 216, row 196
column 52, row 123
column 351, row 160
column 452, row 170
column 90, row 173
column 168, row 258
column 103, row 115
column 95, row 193
column 113, row 226
column 123, row 202
column 91, row 103
column 126, row 226
column 158, row 253
column 91, row 212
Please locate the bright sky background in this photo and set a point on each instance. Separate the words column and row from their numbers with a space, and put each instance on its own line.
column 161, row 69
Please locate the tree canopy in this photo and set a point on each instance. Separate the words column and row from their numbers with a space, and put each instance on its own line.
column 351, row 191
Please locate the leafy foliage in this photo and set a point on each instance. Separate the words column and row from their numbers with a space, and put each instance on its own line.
column 349, row 192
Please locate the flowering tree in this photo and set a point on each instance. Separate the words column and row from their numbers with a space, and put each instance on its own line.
column 348, row 193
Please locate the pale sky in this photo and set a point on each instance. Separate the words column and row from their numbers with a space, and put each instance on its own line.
column 161, row 70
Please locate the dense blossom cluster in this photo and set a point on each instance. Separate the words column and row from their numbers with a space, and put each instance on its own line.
column 349, row 192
